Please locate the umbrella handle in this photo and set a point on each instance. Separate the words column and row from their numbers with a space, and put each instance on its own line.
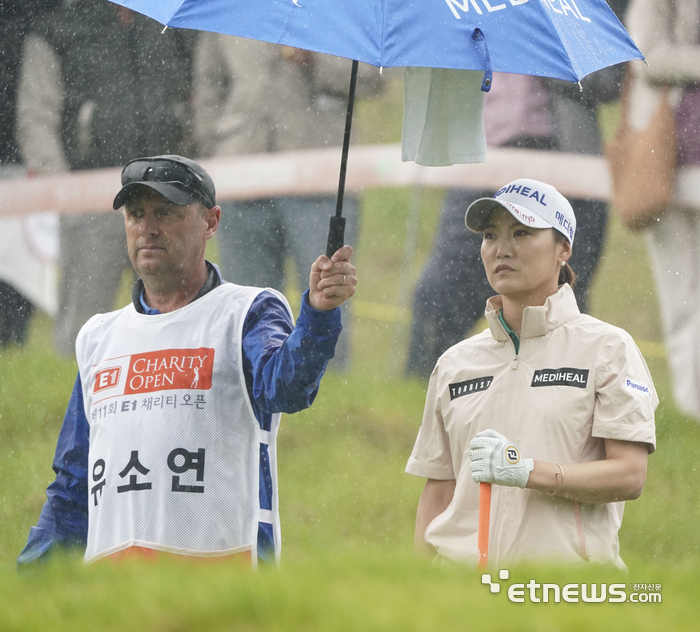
column 336, row 235
column 336, row 232
column 484, row 525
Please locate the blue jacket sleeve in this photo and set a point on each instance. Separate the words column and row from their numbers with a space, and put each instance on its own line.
column 64, row 517
column 283, row 364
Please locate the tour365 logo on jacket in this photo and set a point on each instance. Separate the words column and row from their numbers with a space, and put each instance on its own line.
column 167, row 369
column 459, row 389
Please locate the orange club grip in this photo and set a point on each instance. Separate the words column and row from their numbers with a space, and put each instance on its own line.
column 484, row 524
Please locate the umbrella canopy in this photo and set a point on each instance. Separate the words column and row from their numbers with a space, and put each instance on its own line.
column 562, row 39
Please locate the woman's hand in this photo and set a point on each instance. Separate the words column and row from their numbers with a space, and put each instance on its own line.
column 620, row 476
column 494, row 459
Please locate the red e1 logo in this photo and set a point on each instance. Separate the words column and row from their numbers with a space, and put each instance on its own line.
column 106, row 378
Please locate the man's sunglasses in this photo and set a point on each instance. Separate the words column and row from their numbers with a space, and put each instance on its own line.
column 168, row 172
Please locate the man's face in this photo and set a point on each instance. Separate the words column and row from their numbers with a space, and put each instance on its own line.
column 166, row 241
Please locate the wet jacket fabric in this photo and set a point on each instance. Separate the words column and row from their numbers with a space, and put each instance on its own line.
column 575, row 382
column 106, row 93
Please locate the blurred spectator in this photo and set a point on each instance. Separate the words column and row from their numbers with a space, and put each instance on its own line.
column 253, row 97
column 99, row 85
column 28, row 253
column 16, row 17
column 668, row 32
column 524, row 112
column 15, row 311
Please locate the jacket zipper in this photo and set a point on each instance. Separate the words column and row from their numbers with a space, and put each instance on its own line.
column 514, row 365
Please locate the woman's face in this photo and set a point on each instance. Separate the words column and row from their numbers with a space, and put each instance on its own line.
column 522, row 263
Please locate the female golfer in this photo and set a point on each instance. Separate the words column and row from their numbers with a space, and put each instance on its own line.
column 551, row 406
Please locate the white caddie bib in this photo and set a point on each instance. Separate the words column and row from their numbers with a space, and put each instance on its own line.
column 174, row 445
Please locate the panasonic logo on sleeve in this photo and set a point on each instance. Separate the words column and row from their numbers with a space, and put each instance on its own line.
column 566, row 376
column 637, row 387
column 468, row 387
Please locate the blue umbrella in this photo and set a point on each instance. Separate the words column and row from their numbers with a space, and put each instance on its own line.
column 562, row 39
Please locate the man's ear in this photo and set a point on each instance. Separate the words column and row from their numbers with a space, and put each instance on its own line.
column 212, row 217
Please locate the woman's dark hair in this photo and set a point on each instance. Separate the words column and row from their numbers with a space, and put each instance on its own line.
column 566, row 274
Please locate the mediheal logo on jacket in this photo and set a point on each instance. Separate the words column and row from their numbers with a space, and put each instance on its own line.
column 565, row 376
column 168, row 369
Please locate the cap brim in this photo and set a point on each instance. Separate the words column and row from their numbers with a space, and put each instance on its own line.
column 479, row 211
column 168, row 191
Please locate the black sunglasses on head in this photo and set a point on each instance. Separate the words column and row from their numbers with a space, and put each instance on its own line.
column 167, row 171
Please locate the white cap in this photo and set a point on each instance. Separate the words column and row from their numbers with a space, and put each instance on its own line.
column 531, row 202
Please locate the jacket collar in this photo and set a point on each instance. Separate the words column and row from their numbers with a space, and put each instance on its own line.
column 213, row 280
column 537, row 321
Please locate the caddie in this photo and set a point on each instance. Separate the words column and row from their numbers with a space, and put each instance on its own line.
column 552, row 407
column 168, row 443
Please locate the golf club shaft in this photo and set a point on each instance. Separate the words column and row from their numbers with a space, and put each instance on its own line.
column 336, row 231
column 484, row 524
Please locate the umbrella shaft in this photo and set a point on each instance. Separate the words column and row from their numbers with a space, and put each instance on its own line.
column 336, row 231
column 346, row 140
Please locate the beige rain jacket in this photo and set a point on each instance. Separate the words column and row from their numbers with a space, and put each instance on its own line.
column 575, row 382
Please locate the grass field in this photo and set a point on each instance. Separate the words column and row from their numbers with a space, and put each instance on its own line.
column 347, row 507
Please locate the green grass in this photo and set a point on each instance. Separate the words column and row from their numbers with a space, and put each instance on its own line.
column 344, row 592
column 347, row 506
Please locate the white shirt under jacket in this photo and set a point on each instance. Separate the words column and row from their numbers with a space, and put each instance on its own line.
column 575, row 382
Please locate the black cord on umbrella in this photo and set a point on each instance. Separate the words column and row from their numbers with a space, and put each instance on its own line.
column 336, row 231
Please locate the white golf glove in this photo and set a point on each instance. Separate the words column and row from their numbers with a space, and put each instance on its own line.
column 496, row 460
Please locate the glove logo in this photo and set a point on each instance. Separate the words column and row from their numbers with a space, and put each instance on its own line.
column 512, row 454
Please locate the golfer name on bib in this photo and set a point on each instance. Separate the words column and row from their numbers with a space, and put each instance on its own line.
column 470, row 386
column 563, row 7
column 566, row 376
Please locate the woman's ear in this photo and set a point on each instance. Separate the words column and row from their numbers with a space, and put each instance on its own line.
column 566, row 250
